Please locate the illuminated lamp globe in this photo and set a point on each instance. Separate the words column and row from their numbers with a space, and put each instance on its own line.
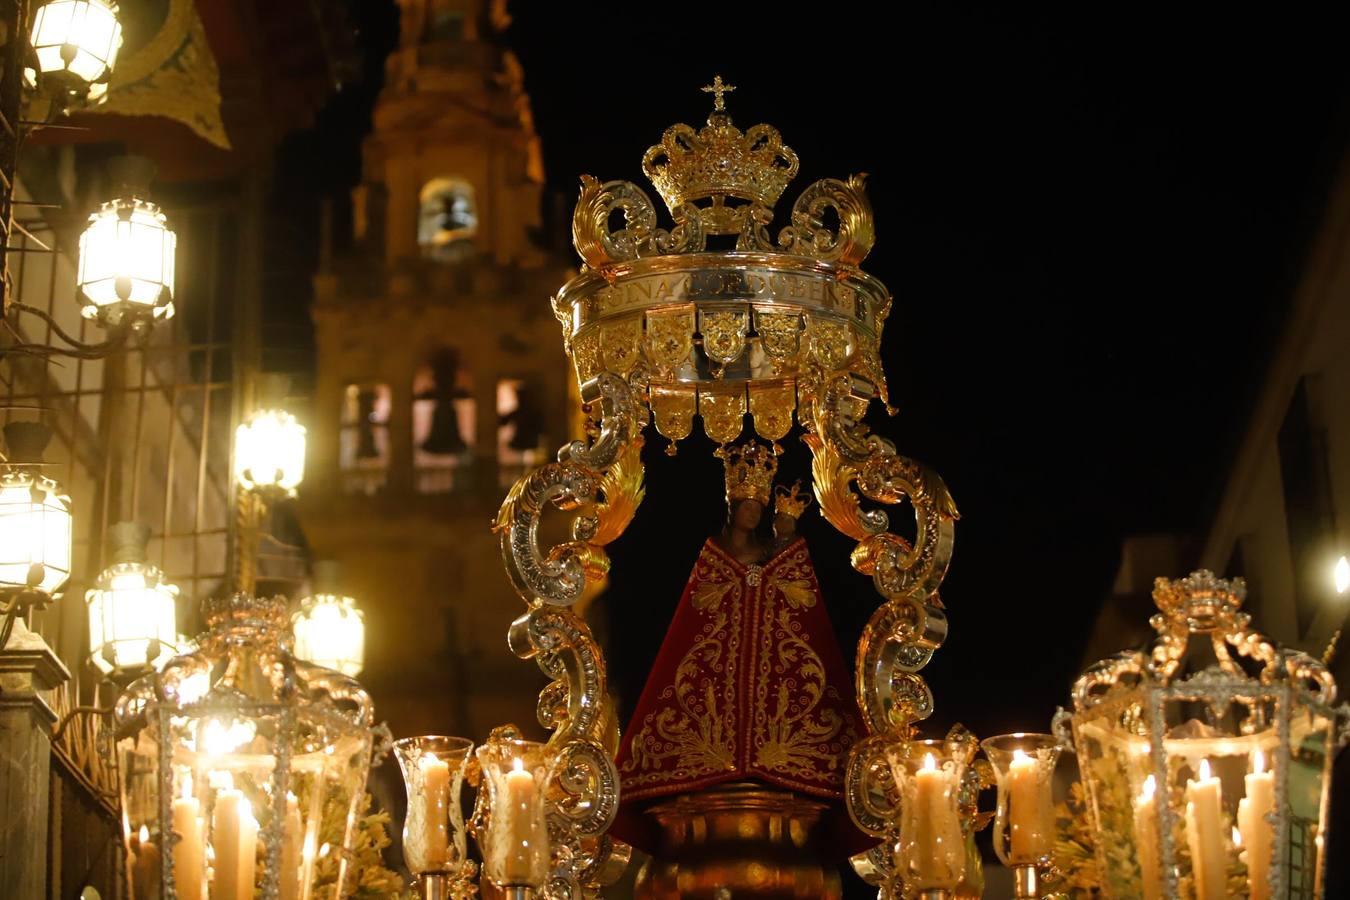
column 269, row 453
column 35, row 523
column 132, row 613
column 126, row 268
column 76, row 44
column 330, row 632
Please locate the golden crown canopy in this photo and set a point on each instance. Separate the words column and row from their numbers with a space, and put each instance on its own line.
column 756, row 328
column 749, row 470
column 718, row 163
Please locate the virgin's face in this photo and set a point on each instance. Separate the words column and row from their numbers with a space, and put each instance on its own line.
column 746, row 514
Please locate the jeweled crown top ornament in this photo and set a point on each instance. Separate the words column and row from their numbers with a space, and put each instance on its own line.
column 719, row 162
column 755, row 329
column 749, row 470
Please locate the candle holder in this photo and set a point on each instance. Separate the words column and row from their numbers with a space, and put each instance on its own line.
column 434, row 843
column 1207, row 769
column 931, row 851
column 1024, row 821
column 240, row 767
column 515, row 844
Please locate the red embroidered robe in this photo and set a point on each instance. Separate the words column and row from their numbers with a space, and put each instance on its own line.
column 750, row 685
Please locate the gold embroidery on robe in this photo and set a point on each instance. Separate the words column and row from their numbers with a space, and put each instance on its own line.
column 749, row 694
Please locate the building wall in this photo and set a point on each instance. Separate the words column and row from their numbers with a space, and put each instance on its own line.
column 422, row 561
column 1282, row 518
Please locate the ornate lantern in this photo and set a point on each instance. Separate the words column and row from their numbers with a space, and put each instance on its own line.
column 76, row 43
column 126, row 267
column 240, row 765
column 35, row 526
column 330, row 632
column 132, row 615
column 269, row 452
column 1214, row 779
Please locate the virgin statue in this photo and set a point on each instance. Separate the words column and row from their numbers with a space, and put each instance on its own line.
column 749, row 695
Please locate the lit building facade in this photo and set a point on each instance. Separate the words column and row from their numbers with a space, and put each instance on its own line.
column 439, row 375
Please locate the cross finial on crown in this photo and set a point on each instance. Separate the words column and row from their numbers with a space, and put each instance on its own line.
column 718, row 89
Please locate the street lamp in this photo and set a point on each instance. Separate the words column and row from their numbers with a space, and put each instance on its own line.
column 126, row 268
column 330, row 632
column 132, row 615
column 76, row 44
column 35, row 527
column 269, row 452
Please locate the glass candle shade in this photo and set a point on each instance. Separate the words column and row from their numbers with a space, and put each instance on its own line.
column 516, row 849
column 433, row 830
column 932, row 848
column 1024, row 770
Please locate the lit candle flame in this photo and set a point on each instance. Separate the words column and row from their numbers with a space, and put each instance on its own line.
column 323, row 851
column 929, row 763
column 518, row 765
column 1020, row 756
column 1342, row 575
column 1205, row 774
column 144, row 835
column 1258, row 762
column 187, row 785
column 1150, row 788
column 1237, row 837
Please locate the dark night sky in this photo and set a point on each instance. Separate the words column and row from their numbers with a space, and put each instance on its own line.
column 1091, row 222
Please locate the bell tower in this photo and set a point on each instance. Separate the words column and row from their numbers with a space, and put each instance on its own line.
column 454, row 156
column 439, row 376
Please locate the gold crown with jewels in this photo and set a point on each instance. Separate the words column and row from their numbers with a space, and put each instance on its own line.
column 719, row 161
column 750, row 468
column 791, row 502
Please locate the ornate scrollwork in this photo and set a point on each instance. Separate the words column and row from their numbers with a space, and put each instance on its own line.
column 597, row 245
column 869, row 788
column 621, row 419
column 808, row 234
column 600, row 246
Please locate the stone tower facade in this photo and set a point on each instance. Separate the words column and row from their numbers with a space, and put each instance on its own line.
column 440, row 378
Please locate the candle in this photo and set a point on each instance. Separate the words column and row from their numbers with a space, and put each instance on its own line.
column 1146, row 839
column 189, row 859
column 1030, row 811
column 429, row 817
column 522, row 827
column 234, row 835
column 145, row 866
column 291, row 838
column 1257, row 834
column 936, row 848
column 1204, row 835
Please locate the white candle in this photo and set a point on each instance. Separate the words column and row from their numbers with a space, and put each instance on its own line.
column 1257, row 834
column 1030, row 811
column 145, row 866
column 1204, row 835
column 938, row 850
column 189, row 858
column 234, row 836
column 522, row 828
column 435, row 796
column 291, row 839
column 1146, row 839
